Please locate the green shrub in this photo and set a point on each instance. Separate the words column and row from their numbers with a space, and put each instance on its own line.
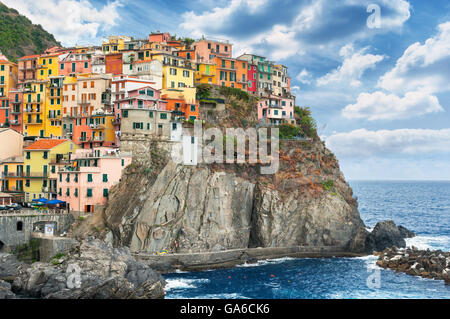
column 288, row 131
column 328, row 185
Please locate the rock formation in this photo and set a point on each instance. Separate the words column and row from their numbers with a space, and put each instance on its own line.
column 162, row 205
column 91, row 270
column 424, row 263
column 386, row 234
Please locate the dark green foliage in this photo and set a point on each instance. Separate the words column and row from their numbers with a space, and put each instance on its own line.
column 328, row 185
column 203, row 91
column 289, row 131
column 306, row 121
column 188, row 42
column 19, row 37
column 238, row 93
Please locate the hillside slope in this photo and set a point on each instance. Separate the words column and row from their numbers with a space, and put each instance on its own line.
column 19, row 36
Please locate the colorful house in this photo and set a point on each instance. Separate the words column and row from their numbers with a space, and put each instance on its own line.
column 28, row 68
column 206, row 73
column 159, row 37
column 95, row 130
column 75, row 63
column 12, row 180
column 115, row 43
column 206, row 50
column 8, row 81
column 85, row 183
column 275, row 110
column 16, row 110
column 178, row 75
column 41, row 161
column 180, row 108
column 114, row 63
column 11, row 143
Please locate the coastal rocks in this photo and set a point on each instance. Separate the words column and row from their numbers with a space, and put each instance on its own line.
column 92, row 270
column 424, row 263
column 9, row 266
column 386, row 234
column 5, row 291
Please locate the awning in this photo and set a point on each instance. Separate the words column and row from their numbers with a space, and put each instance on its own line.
column 40, row 200
column 55, row 202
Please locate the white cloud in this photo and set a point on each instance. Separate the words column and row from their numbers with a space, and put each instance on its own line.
column 362, row 143
column 70, row 21
column 423, row 67
column 309, row 26
column 352, row 68
column 304, row 77
column 381, row 106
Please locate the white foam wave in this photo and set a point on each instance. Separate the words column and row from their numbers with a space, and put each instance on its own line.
column 431, row 242
column 183, row 283
column 266, row 262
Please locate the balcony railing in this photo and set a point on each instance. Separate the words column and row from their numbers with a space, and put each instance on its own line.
column 12, row 174
column 35, row 175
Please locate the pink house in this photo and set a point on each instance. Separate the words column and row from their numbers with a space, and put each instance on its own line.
column 85, row 184
column 145, row 97
column 276, row 110
column 206, row 50
column 75, row 63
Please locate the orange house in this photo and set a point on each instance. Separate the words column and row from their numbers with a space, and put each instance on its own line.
column 231, row 72
column 181, row 108
column 159, row 37
column 187, row 54
column 114, row 63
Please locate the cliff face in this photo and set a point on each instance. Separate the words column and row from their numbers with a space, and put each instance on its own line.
column 218, row 207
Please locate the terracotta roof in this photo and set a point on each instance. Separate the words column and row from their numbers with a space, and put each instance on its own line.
column 29, row 57
column 45, row 144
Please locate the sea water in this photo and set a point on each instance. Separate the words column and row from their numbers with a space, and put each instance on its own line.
column 423, row 207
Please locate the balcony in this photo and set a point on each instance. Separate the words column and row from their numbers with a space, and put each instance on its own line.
column 16, row 112
column 17, row 102
column 12, row 174
column 35, row 175
column 35, row 122
column 50, row 190
column 96, row 127
column 12, row 190
column 15, row 123
column 32, row 111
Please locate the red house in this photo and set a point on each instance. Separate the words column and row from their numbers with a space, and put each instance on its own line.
column 114, row 63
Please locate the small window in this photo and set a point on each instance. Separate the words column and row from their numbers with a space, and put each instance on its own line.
column 105, row 192
column 19, row 226
column 105, row 178
column 89, row 192
column 89, row 178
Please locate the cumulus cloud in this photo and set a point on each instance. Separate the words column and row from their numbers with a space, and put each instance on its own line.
column 381, row 106
column 70, row 21
column 362, row 142
column 352, row 68
column 281, row 29
column 422, row 67
column 304, row 77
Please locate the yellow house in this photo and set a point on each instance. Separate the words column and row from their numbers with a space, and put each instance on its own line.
column 48, row 65
column 178, row 75
column 41, row 162
column 115, row 43
column 34, row 96
column 12, row 177
column 8, row 77
column 206, row 73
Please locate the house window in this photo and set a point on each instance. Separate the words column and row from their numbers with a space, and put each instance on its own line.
column 105, row 192
column 28, row 155
column 163, row 116
column 192, row 108
column 123, row 162
column 125, row 113
column 151, row 114
column 76, row 192
column 89, row 178
column 105, row 178
column 19, row 226
column 89, row 192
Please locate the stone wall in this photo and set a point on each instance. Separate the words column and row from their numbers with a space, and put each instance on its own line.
column 50, row 246
column 11, row 237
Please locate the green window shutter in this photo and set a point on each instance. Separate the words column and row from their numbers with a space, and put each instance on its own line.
column 89, row 192
column 60, row 192
column 60, row 177
column 105, row 192
column 76, row 192
column 76, row 178
column 105, row 178
column 123, row 162
column 151, row 114
column 90, row 178
column 68, row 192
column 163, row 116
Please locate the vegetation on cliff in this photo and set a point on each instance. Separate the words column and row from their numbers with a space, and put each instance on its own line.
column 20, row 37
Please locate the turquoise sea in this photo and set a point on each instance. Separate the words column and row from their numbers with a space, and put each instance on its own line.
column 423, row 207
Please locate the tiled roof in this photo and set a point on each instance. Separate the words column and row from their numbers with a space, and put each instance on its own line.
column 29, row 57
column 45, row 144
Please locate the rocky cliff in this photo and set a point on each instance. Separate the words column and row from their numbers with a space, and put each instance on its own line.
column 162, row 205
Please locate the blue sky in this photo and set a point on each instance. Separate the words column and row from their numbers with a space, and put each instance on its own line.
column 380, row 95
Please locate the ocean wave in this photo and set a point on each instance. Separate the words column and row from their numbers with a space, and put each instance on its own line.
column 180, row 283
column 431, row 242
column 267, row 262
column 210, row 296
